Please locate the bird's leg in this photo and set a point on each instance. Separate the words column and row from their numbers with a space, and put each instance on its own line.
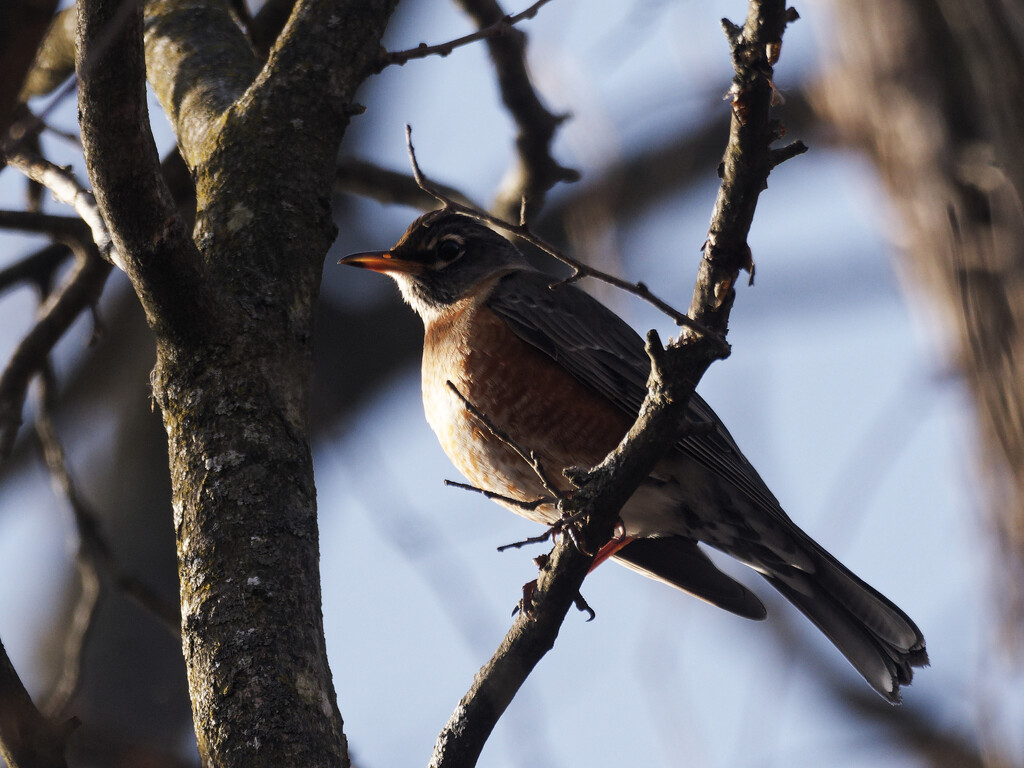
column 619, row 540
column 562, row 525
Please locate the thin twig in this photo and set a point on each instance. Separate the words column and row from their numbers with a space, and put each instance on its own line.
column 529, row 457
column 360, row 177
column 68, row 190
column 81, row 290
column 526, row 506
column 540, row 538
column 580, row 270
column 497, row 29
column 37, row 268
column 562, row 525
column 94, row 555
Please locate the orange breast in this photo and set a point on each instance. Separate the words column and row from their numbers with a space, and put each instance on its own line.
column 523, row 392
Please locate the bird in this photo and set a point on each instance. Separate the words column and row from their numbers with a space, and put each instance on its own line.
column 511, row 356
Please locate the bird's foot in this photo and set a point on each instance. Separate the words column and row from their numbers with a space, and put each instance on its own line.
column 539, row 539
column 526, row 603
column 583, row 606
column 561, row 526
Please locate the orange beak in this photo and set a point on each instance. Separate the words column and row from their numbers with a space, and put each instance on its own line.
column 382, row 261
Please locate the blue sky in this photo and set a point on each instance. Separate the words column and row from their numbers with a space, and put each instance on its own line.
column 837, row 390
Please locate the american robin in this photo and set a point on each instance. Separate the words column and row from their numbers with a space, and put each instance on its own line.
column 562, row 376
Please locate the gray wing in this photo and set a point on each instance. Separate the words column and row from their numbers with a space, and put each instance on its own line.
column 605, row 354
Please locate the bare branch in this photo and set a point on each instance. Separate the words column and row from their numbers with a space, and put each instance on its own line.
column 747, row 162
column 536, row 171
column 55, row 59
column 45, row 223
column 94, row 557
column 781, row 155
column 493, row 496
column 68, row 190
column 80, row 291
column 82, row 617
column 22, row 26
column 155, row 248
column 499, row 28
column 267, row 24
column 196, row 84
column 360, row 177
column 37, row 268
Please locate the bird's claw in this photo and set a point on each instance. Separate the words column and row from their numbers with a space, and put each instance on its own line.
column 583, row 606
column 525, row 604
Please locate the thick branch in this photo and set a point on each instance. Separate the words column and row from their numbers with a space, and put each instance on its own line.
column 197, row 83
column 155, row 247
column 267, row 24
column 235, row 404
column 304, row 93
column 662, row 422
column 55, row 60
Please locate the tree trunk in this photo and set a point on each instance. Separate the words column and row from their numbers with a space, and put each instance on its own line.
column 930, row 89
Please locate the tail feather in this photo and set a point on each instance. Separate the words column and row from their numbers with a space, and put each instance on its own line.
column 878, row 639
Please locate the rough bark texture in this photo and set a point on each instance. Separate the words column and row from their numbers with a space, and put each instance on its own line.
column 232, row 314
column 930, row 89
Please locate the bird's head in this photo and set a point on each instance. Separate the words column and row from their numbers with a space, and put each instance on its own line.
column 440, row 259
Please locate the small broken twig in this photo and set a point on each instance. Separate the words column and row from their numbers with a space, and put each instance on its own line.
column 494, row 496
column 530, row 457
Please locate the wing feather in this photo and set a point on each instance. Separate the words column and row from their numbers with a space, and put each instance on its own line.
column 605, row 354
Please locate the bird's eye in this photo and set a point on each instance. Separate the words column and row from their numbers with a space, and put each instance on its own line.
column 449, row 249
